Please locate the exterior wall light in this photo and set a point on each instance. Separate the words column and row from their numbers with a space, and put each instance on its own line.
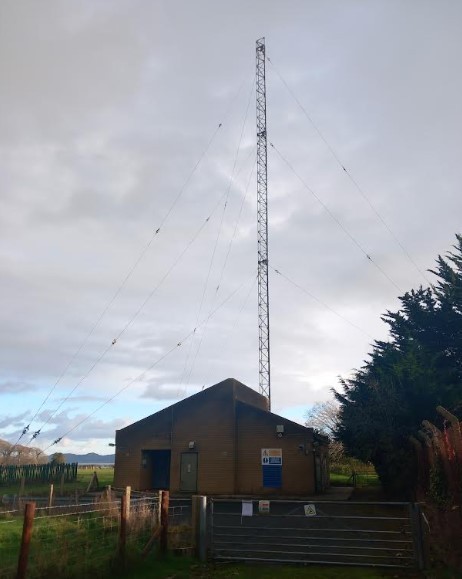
column 192, row 445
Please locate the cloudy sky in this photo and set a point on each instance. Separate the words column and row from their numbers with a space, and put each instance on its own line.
column 109, row 115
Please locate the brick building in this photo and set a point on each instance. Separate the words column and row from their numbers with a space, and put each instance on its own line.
column 222, row 440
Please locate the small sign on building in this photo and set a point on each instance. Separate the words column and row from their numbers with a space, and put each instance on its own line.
column 271, row 456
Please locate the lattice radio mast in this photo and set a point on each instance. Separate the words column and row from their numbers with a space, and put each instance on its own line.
column 262, row 220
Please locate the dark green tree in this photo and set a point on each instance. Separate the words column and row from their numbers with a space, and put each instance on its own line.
column 405, row 378
column 57, row 458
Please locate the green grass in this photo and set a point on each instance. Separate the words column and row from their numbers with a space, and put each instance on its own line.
column 362, row 480
column 74, row 545
column 56, row 539
column 337, row 479
column 52, row 536
column 105, row 477
column 10, row 539
column 182, row 568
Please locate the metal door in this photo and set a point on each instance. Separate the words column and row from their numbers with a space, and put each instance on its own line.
column 188, row 472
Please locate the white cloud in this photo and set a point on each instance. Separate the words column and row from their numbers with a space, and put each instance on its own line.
column 105, row 110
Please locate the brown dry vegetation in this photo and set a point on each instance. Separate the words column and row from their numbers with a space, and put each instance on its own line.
column 19, row 454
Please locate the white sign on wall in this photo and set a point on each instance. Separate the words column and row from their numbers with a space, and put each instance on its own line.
column 271, row 456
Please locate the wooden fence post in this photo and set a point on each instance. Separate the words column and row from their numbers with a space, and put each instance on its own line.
column 62, row 484
column 159, row 504
column 50, row 496
column 25, row 540
column 123, row 529
column 164, row 522
column 94, row 483
column 128, row 492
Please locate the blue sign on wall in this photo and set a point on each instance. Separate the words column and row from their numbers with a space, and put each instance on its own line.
column 272, row 460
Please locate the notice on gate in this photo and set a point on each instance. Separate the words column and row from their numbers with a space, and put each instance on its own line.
column 247, row 509
column 264, row 507
column 310, row 510
column 271, row 456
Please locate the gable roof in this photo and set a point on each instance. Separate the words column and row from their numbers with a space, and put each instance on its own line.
column 239, row 392
column 245, row 398
column 275, row 418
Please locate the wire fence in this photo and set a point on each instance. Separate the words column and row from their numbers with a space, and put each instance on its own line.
column 79, row 540
column 179, row 510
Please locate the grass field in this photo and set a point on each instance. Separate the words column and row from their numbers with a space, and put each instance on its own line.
column 11, row 529
column 185, row 568
column 353, row 473
column 74, row 542
column 56, row 543
column 182, row 568
column 106, row 477
column 362, row 480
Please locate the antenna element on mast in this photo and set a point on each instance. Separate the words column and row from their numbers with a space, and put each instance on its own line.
column 262, row 226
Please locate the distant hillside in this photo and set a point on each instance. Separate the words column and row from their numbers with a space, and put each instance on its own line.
column 90, row 458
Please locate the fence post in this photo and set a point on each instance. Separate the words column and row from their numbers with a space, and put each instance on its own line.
column 417, row 535
column 159, row 503
column 128, row 492
column 164, row 522
column 123, row 529
column 62, row 485
column 199, row 522
column 202, row 528
column 50, row 496
column 195, row 522
column 25, row 540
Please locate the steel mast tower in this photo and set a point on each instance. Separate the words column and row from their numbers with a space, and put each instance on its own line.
column 262, row 227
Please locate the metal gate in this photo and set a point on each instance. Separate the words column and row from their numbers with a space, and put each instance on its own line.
column 322, row 532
